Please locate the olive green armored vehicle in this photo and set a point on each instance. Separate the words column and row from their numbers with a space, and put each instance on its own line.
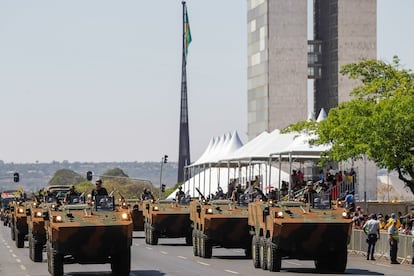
column 95, row 232
column 36, row 230
column 166, row 219
column 219, row 223
column 317, row 230
column 52, row 195
column 18, row 221
column 136, row 209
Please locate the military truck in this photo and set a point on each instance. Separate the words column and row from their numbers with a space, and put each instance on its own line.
column 18, row 221
column 221, row 223
column 95, row 232
column 166, row 219
column 317, row 230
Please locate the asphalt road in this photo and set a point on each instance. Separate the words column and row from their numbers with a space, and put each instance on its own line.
column 172, row 257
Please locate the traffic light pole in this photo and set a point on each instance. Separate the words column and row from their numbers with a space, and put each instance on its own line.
column 162, row 186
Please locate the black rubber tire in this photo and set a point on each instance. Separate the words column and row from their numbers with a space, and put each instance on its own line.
column 19, row 240
column 37, row 252
column 31, row 247
column 121, row 262
column 189, row 240
column 153, row 236
column 55, row 261
column 274, row 258
column 13, row 231
column 195, row 244
column 208, row 248
column 255, row 251
column 263, row 253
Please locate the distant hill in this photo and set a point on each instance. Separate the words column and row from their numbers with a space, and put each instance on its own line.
column 34, row 176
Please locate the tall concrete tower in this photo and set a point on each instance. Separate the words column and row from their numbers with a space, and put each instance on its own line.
column 347, row 30
column 281, row 59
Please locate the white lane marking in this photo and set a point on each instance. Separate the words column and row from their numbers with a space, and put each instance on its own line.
column 383, row 265
column 182, row 257
column 203, row 263
column 149, row 248
column 163, row 252
column 14, row 255
column 22, row 267
column 289, row 262
column 231, row 271
column 18, row 260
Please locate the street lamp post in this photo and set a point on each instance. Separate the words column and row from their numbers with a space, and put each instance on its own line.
column 164, row 160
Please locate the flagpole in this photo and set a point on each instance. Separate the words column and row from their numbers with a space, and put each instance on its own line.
column 184, row 143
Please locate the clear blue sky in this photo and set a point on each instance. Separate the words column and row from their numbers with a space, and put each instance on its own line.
column 99, row 80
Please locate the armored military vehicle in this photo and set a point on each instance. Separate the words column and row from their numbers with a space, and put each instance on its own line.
column 316, row 230
column 51, row 195
column 219, row 222
column 136, row 210
column 6, row 198
column 18, row 221
column 96, row 232
column 166, row 219
column 36, row 230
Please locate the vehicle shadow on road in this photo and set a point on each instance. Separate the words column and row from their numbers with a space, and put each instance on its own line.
column 103, row 273
column 314, row 271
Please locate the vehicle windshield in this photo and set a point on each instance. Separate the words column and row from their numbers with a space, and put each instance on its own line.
column 104, row 203
column 321, row 201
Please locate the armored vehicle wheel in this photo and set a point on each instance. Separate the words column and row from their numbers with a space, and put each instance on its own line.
column 54, row 261
column 19, row 239
column 31, row 247
column 153, row 236
column 274, row 258
column 37, row 252
column 121, row 262
column 206, row 247
column 262, row 253
column 338, row 261
column 255, row 251
column 189, row 239
column 146, row 233
column 322, row 265
column 195, row 244
column 12, row 231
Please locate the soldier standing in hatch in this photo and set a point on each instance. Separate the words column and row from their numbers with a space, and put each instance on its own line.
column 99, row 190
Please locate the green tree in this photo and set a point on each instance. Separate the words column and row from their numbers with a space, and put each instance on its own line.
column 377, row 122
column 66, row 177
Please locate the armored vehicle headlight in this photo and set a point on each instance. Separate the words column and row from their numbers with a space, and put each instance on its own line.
column 20, row 210
column 345, row 214
column 279, row 214
column 38, row 214
column 125, row 216
column 156, row 208
column 209, row 211
column 53, row 206
column 58, row 219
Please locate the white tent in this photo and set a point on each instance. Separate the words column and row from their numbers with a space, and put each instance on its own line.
column 209, row 179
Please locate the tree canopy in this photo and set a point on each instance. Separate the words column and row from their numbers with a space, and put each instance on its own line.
column 378, row 122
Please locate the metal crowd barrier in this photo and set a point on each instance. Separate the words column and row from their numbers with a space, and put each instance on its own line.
column 358, row 245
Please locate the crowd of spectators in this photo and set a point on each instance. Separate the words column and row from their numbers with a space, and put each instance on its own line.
column 404, row 224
